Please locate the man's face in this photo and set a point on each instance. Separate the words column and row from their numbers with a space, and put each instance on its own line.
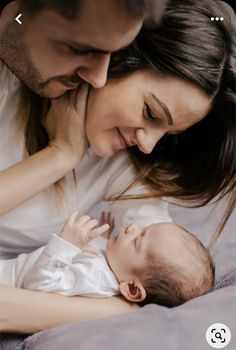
column 52, row 54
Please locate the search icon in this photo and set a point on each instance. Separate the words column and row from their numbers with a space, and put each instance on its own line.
column 218, row 335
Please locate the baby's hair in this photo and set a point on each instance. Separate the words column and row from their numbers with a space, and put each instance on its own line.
column 166, row 284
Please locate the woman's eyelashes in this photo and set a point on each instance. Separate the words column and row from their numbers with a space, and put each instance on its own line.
column 148, row 113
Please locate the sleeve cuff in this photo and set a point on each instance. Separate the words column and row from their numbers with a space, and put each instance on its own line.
column 62, row 249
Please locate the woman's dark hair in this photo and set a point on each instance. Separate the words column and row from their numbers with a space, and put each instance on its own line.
column 200, row 163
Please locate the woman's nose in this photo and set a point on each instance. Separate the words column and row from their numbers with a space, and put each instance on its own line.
column 146, row 140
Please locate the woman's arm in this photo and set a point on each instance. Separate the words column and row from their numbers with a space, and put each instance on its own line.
column 65, row 125
column 24, row 311
column 32, row 175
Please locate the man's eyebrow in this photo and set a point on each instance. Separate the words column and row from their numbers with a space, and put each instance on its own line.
column 165, row 109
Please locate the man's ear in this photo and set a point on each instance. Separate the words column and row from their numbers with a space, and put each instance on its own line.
column 133, row 291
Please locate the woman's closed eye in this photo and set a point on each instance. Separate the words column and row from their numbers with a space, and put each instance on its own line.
column 148, row 113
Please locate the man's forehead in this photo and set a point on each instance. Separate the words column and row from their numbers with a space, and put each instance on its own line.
column 109, row 35
column 90, row 12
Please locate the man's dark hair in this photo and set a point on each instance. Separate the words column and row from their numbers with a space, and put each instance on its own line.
column 70, row 8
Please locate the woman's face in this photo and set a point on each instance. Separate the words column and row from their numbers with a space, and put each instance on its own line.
column 139, row 110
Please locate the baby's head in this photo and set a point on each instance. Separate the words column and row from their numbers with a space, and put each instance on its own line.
column 162, row 263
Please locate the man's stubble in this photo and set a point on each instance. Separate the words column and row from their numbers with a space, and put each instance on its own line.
column 16, row 56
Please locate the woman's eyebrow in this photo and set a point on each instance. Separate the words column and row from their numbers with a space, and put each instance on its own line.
column 165, row 109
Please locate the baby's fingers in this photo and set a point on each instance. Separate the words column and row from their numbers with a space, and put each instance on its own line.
column 83, row 220
column 102, row 218
column 91, row 224
column 112, row 223
column 98, row 231
column 72, row 217
column 69, row 222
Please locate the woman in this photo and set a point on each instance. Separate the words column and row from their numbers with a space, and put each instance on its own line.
column 182, row 82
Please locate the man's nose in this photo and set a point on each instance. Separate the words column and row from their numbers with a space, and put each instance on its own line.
column 146, row 140
column 94, row 71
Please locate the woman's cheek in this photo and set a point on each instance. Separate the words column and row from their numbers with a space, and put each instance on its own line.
column 102, row 145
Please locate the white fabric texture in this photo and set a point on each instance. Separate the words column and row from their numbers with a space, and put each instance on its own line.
column 31, row 224
column 60, row 267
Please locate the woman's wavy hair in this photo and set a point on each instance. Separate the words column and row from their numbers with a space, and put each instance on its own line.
column 199, row 164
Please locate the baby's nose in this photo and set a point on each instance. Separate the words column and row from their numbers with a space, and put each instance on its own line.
column 131, row 228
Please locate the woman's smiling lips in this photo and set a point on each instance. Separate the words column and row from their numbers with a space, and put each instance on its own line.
column 123, row 143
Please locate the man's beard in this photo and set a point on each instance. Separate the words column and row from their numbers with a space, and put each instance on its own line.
column 16, row 56
column 14, row 53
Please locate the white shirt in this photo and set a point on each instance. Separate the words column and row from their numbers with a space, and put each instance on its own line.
column 31, row 224
column 60, row 267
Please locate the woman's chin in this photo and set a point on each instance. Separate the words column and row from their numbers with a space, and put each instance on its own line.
column 103, row 152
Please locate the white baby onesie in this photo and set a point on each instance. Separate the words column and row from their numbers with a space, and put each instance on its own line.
column 60, row 267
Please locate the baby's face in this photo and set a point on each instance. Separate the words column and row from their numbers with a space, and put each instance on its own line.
column 129, row 249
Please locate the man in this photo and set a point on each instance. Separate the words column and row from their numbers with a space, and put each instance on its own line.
column 61, row 43
column 58, row 45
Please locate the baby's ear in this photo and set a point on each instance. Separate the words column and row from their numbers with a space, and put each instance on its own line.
column 133, row 291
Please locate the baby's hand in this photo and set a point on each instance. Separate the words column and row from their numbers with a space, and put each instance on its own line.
column 107, row 218
column 82, row 231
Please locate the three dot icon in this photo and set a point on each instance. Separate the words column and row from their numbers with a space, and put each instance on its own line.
column 217, row 18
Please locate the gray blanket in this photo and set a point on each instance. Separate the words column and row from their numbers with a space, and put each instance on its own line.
column 156, row 327
column 152, row 328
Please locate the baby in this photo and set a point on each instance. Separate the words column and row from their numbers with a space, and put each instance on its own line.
column 161, row 263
